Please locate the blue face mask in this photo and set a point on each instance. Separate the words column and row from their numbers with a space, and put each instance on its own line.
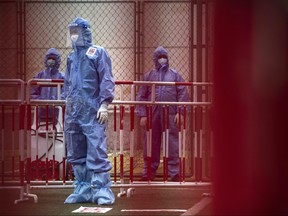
column 51, row 62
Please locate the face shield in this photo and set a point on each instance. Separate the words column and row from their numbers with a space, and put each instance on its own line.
column 74, row 36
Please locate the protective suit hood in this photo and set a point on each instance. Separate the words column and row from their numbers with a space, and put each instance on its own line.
column 160, row 51
column 54, row 54
column 85, row 31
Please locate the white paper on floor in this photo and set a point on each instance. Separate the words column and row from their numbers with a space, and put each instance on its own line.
column 83, row 209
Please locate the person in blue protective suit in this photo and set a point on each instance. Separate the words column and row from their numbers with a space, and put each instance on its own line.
column 52, row 61
column 88, row 90
column 177, row 93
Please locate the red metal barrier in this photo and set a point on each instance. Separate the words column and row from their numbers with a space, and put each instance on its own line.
column 51, row 169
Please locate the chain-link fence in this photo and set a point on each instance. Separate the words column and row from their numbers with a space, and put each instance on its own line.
column 129, row 30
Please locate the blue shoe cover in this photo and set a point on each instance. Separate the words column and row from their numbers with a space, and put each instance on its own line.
column 81, row 194
column 102, row 194
column 82, row 191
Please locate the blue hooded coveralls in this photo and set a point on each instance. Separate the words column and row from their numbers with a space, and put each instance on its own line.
column 162, row 93
column 48, row 93
column 88, row 83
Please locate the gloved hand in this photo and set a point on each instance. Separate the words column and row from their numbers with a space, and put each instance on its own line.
column 102, row 114
column 176, row 119
column 143, row 122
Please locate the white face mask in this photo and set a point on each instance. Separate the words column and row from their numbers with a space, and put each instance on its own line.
column 74, row 37
column 51, row 62
column 162, row 61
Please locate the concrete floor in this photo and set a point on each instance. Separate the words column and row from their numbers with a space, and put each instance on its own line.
column 145, row 200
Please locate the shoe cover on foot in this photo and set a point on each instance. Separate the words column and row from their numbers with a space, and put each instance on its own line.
column 102, row 194
column 82, row 191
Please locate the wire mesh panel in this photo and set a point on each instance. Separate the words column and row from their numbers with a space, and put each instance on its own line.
column 112, row 25
column 167, row 24
column 129, row 30
column 8, row 45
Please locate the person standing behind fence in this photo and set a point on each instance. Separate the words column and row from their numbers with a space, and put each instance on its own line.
column 88, row 89
column 177, row 93
column 52, row 61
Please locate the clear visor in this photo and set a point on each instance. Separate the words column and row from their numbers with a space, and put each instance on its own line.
column 74, row 36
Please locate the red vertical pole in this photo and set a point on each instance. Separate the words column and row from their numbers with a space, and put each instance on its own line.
column 47, row 162
column 29, row 132
column 198, row 157
column 196, row 144
column 2, row 144
column 150, row 132
column 184, row 141
column 121, row 144
column 37, row 130
column 132, row 108
column 64, row 157
column 13, row 143
column 200, row 143
column 63, row 171
column 180, row 143
column 148, row 137
column 167, row 140
column 115, row 145
column 164, row 143
column 21, row 144
column 53, row 129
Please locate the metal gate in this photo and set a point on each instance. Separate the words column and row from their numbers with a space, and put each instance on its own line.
column 129, row 30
